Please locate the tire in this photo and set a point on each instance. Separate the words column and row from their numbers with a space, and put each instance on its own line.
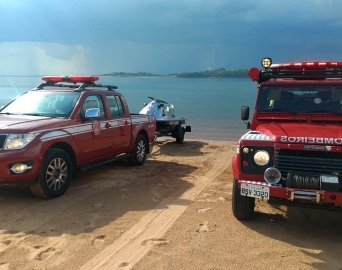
column 179, row 134
column 54, row 175
column 138, row 155
column 242, row 206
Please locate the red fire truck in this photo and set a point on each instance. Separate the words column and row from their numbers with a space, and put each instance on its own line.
column 292, row 153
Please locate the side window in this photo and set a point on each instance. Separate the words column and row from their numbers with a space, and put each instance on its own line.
column 115, row 106
column 118, row 100
column 93, row 101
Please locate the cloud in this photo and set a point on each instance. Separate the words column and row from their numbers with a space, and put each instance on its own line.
column 164, row 36
column 152, row 21
column 32, row 58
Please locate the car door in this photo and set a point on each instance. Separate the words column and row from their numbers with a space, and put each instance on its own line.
column 96, row 136
column 122, row 127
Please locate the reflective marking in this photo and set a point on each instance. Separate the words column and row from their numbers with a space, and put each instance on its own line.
column 255, row 136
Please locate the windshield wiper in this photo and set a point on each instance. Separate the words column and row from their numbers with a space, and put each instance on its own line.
column 38, row 114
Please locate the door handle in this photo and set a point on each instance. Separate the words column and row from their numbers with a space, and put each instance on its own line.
column 107, row 125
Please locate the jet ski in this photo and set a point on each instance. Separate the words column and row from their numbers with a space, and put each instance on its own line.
column 167, row 123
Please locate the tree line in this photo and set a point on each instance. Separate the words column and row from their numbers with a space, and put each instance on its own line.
column 216, row 73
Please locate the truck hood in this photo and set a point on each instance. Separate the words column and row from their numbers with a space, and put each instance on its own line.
column 302, row 133
column 22, row 123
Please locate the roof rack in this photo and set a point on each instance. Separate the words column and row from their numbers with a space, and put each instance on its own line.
column 84, row 85
column 300, row 74
column 297, row 71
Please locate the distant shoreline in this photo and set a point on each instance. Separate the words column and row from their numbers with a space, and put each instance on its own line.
column 217, row 73
column 168, row 77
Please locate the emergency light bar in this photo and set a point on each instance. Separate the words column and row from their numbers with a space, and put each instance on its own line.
column 71, row 79
column 85, row 83
column 313, row 65
column 298, row 70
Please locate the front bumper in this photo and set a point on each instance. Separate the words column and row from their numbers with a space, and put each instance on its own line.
column 300, row 195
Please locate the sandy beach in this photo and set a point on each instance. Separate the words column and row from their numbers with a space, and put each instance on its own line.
column 173, row 212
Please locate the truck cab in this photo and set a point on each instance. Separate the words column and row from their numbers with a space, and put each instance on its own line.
column 292, row 153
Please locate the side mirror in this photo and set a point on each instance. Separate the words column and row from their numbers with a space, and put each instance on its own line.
column 244, row 113
column 92, row 113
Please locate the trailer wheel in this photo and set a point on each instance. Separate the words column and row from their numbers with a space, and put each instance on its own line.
column 54, row 175
column 179, row 134
column 242, row 206
column 138, row 154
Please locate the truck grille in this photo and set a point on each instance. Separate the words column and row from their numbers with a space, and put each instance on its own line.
column 309, row 165
column 2, row 140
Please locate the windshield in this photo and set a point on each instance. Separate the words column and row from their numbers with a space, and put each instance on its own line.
column 297, row 99
column 53, row 104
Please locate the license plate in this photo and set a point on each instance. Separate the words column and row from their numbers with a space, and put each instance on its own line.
column 255, row 191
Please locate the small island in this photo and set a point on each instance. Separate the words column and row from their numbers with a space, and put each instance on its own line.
column 216, row 73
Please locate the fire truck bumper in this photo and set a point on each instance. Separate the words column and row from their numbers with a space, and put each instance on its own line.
column 266, row 191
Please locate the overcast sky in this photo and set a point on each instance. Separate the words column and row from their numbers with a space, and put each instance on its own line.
column 45, row 37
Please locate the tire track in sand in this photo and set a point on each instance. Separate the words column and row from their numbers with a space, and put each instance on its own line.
column 132, row 245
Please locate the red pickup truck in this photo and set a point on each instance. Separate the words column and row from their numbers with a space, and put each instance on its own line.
column 67, row 124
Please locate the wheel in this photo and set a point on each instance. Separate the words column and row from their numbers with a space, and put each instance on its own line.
column 138, row 154
column 243, row 206
column 54, row 175
column 179, row 134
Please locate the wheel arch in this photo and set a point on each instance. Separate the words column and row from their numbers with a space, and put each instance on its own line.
column 145, row 134
column 70, row 151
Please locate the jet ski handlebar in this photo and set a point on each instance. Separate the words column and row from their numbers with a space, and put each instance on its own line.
column 158, row 100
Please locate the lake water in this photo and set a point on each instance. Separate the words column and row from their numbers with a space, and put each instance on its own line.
column 211, row 106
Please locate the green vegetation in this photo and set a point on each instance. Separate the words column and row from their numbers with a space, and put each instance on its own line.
column 130, row 74
column 216, row 73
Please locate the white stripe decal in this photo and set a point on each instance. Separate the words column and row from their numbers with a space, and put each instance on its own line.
column 56, row 137
column 75, row 130
column 54, row 134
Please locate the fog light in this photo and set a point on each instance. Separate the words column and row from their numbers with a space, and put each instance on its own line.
column 266, row 62
column 20, row 168
column 272, row 175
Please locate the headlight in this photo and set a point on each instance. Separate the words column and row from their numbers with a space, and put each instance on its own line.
column 17, row 141
column 261, row 158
